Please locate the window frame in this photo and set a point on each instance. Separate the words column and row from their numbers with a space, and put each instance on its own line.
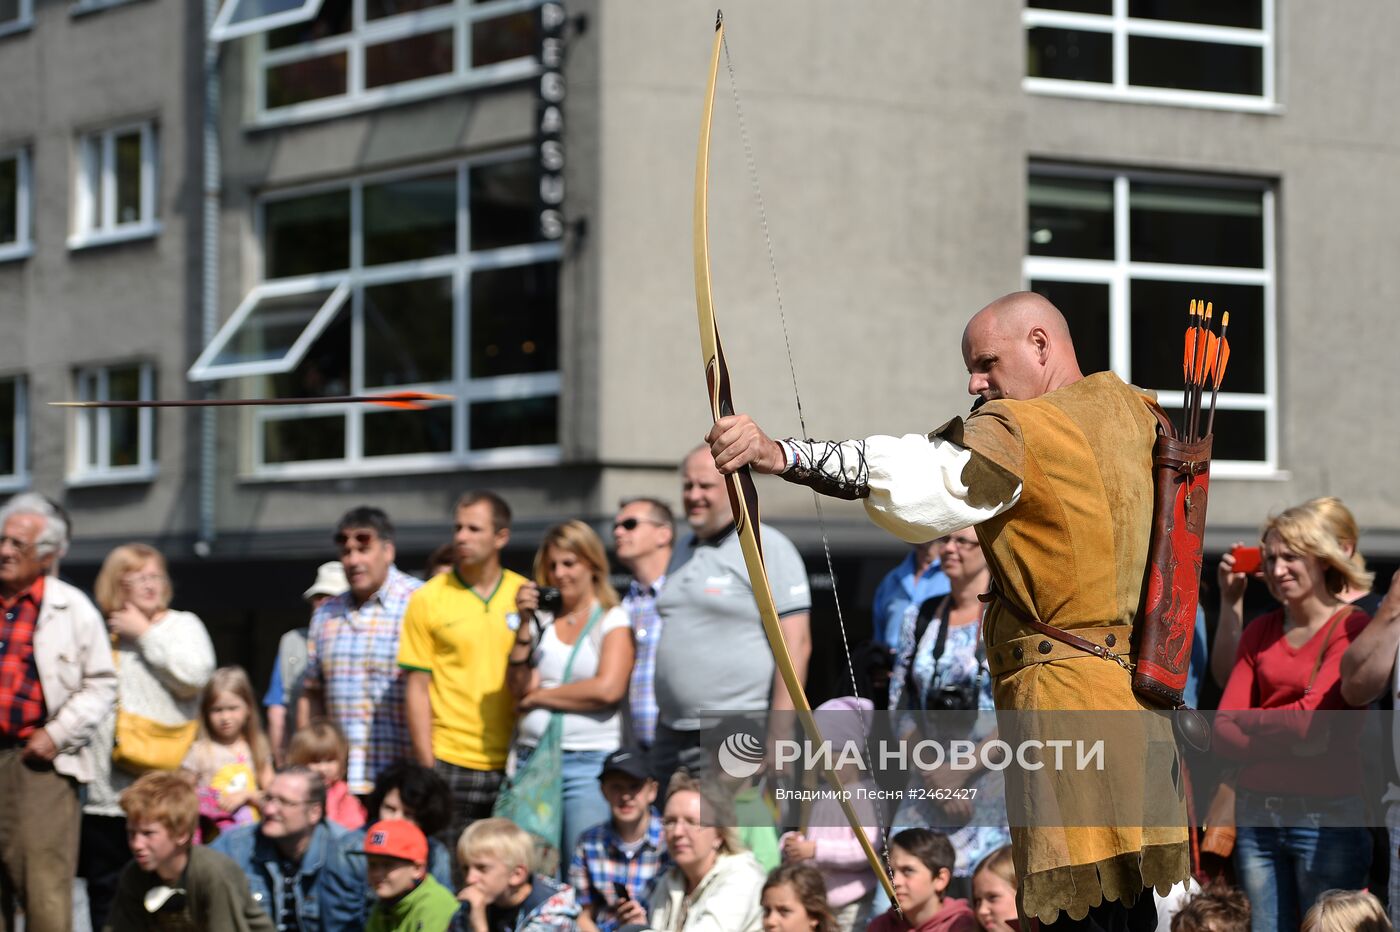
column 458, row 14
column 92, row 426
column 23, row 246
column 459, row 265
column 1121, row 26
column 22, row 22
column 80, row 7
column 1119, row 272
column 19, row 479
column 222, row 31
column 205, row 369
column 93, row 223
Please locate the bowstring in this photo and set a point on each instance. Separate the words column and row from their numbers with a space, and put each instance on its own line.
column 801, row 417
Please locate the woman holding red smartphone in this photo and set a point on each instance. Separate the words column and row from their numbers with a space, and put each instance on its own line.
column 1291, row 788
column 1241, row 562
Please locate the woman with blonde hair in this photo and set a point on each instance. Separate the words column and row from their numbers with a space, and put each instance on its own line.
column 1289, row 666
column 713, row 883
column 163, row 658
column 1341, row 527
column 570, row 668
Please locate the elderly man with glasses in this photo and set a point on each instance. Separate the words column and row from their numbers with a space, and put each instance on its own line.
column 56, row 684
column 291, row 857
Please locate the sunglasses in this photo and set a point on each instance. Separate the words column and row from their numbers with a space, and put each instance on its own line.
column 630, row 524
column 358, row 540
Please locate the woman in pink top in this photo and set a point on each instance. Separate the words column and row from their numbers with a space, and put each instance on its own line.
column 1298, row 805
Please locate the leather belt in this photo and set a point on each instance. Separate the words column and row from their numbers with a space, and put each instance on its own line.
column 1109, row 643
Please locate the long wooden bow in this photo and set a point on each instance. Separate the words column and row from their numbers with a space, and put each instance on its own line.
column 743, row 496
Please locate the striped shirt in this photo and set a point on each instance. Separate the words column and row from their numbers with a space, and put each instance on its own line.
column 352, row 658
column 640, row 605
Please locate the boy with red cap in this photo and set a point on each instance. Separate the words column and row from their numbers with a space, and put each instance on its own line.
column 410, row 899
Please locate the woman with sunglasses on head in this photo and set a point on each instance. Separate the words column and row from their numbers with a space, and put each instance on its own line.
column 164, row 658
column 1298, row 804
column 572, row 658
column 941, row 667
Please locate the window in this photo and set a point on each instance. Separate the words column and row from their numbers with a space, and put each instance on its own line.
column 353, row 54
column 432, row 280
column 15, row 15
column 14, row 434
column 114, row 444
column 14, row 205
column 246, row 17
column 116, row 186
column 1123, row 254
column 1213, row 53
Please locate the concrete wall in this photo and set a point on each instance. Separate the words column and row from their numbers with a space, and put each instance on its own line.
column 62, row 308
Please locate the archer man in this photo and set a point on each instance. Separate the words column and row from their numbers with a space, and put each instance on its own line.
column 1054, row 472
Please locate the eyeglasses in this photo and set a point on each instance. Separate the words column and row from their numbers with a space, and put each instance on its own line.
column 23, row 546
column 147, row 579
column 284, row 803
column 630, row 524
column 356, row 540
column 962, row 543
column 671, row 823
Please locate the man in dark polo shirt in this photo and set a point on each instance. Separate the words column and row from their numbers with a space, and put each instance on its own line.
column 713, row 655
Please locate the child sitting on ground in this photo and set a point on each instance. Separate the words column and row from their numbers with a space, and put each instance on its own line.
column 922, row 862
column 994, row 891
column 1347, row 911
column 1217, row 908
column 171, row 883
column 503, row 891
column 794, row 899
column 410, row 900
column 322, row 747
column 616, row 861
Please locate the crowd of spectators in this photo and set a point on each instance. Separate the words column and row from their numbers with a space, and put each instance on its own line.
column 415, row 724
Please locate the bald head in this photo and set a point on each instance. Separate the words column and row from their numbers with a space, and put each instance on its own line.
column 1019, row 347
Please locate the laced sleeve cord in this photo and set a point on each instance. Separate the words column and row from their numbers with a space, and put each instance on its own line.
column 833, row 468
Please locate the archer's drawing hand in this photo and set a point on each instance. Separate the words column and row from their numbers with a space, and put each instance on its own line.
column 736, row 441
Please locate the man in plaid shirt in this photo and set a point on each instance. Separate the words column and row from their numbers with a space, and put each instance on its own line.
column 644, row 533
column 623, row 854
column 352, row 670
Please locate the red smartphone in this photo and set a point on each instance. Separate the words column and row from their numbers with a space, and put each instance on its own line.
column 1247, row 559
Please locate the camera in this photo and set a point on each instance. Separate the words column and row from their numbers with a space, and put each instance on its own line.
column 953, row 699
column 551, row 600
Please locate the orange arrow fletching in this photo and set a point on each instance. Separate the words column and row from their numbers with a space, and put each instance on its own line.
column 406, row 401
column 1190, row 353
column 1212, row 353
column 1198, row 370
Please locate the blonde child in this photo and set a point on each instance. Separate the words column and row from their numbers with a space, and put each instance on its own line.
column 504, row 889
column 994, row 891
column 1347, row 911
column 231, row 759
column 322, row 747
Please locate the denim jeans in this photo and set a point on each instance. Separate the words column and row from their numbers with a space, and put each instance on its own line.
column 584, row 805
column 1286, row 859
